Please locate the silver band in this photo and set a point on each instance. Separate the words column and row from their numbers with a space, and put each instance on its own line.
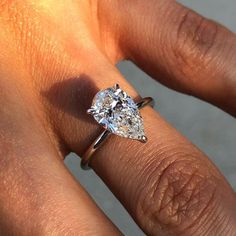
column 87, row 156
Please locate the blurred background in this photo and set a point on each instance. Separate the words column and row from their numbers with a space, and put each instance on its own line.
column 206, row 126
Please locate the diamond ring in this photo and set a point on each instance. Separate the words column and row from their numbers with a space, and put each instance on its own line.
column 118, row 114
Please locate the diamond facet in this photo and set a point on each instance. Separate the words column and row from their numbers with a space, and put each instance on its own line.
column 116, row 111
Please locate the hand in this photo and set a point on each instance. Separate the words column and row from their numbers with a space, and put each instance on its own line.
column 55, row 56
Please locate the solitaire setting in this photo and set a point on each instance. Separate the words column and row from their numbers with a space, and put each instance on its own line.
column 116, row 111
column 118, row 114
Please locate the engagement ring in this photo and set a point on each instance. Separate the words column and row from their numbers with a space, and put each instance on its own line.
column 118, row 114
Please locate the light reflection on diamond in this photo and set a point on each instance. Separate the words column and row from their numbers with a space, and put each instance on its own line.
column 117, row 112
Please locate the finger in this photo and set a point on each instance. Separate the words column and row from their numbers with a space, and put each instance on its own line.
column 178, row 47
column 167, row 184
column 38, row 196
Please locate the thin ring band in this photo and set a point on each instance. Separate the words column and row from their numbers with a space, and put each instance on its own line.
column 86, row 158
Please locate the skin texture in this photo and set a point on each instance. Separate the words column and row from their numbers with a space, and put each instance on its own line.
column 54, row 57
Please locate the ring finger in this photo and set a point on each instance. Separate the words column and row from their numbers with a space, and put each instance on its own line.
column 167, row 184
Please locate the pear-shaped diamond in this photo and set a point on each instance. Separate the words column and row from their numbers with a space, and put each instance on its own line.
column 116, row 111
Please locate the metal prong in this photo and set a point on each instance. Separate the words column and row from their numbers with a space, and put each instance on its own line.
column 116, row 86
column 90, row 111
column 143, row 139
column 144, row 102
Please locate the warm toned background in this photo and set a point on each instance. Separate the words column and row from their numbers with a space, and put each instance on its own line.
column 208, row 127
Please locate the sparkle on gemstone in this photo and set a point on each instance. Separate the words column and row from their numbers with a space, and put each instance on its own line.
column 116, row 111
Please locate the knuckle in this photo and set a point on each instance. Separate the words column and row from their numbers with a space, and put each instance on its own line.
column 178, row 197
column 196, row 36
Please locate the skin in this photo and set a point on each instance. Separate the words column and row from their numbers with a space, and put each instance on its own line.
column 55, row 56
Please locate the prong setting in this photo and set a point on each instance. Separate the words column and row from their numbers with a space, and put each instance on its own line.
column 116, row 111
column 91, row 111
column 143, row 139
column 116, row 86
